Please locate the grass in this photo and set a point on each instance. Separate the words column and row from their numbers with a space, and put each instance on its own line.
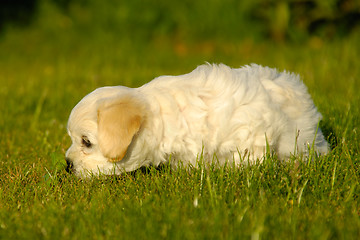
column 44, row 73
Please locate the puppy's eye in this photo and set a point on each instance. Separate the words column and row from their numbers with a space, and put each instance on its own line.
column 86, row 142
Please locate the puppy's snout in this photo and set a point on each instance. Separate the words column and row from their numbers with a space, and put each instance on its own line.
column 69, row 165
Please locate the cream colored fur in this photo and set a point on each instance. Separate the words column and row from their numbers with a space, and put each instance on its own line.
column 232, row 113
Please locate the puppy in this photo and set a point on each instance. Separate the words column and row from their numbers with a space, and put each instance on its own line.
column 219, row 113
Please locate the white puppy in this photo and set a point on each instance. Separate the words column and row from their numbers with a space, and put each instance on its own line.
column 215, row 111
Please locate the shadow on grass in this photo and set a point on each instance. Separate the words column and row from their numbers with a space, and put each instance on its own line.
column 329, row 134
column 63, row 175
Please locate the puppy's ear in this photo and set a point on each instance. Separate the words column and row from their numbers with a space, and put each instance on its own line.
column 119, row 120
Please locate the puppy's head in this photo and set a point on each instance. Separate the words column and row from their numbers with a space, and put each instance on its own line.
column 102, row 127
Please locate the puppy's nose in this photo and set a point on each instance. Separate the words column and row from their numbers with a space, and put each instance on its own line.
column 69, row 165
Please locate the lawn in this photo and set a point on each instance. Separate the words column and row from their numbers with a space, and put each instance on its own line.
column 47, row 67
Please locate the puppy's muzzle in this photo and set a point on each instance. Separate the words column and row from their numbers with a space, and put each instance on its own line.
column 69, row 165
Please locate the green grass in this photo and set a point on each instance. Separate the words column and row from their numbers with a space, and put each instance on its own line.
column 46, row 70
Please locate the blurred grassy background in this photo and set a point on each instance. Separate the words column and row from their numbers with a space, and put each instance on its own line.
column 286, row 20
column 55, row 52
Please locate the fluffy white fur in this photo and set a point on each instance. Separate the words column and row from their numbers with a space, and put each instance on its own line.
column 232, row 113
